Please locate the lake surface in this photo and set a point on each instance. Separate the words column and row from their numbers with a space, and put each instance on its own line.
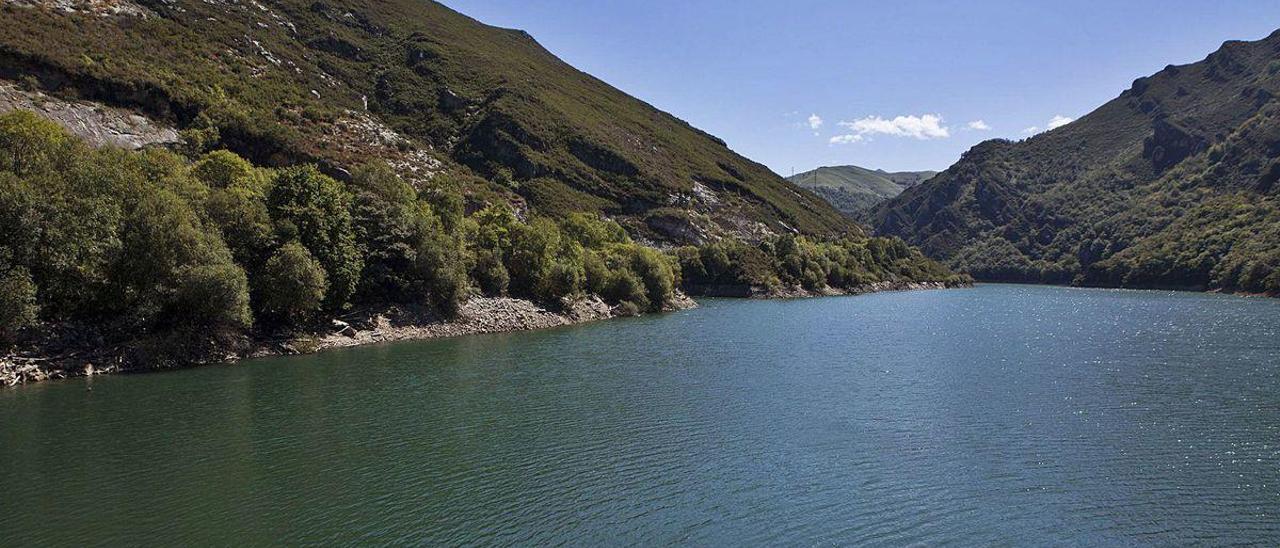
column 1001, row 414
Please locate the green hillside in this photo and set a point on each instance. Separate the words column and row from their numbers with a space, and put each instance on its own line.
column 1172, row 184
column 331, row 161
column 855, row 190
column 413, row 82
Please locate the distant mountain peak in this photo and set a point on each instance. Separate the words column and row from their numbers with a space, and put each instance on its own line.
column 854, row 190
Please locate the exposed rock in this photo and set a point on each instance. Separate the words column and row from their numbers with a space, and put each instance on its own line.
column 343, row 328
column 357, row 136
column 98, row 124
column 678, row 228
column 1171, row 143
column 101, row 8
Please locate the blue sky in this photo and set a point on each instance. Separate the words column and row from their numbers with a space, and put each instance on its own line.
column 899, row 85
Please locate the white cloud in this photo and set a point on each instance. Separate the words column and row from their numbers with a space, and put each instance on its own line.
column 979, row 125
column 845, row 139
column 815, row 122
column 1054, row 123
column 1059, row 121
column 927, row 126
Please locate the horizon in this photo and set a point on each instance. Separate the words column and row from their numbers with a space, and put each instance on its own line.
column 815, row 108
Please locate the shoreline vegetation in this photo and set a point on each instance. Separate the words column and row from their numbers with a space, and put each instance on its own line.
column 114, row 260
column 479, row 315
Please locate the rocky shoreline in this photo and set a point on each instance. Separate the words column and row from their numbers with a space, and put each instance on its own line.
column 479, row 315
column 878, row 287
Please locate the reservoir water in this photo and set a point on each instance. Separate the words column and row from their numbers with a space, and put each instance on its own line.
column 996, row 415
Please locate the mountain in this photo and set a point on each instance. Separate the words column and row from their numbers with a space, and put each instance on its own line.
column 1171, row 184
column 855, row 190
column 190, row 181
column 413, row 83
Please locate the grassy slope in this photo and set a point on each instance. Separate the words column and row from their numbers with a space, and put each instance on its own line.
column 854, row 190
column 1165, row 185
column 488, row 102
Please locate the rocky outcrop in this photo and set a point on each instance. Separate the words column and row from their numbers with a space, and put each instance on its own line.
column 96, row 123
column 101, row 8
column 1169, row 144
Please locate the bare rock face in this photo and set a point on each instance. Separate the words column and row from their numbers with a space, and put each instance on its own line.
column 98, row 124
column 101, row 8
column 1170, row 143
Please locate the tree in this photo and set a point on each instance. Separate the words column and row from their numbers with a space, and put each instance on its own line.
column 292, row 286
column 18, row 308
column 490, row 273
column 30, row 143
column 214, row 296
column 533, row 250
column 440, row 269
column 168, row 254
column 656, row 273
column 315, row 209
column 625, row 287
column 223, row 169
column 240, row 213
column 592, row 231
column 387, row 221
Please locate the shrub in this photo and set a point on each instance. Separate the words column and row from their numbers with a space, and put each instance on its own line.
column 625, row 287
column 490, row 274
column 292, row 286
column 563, row 278
column 212, row 296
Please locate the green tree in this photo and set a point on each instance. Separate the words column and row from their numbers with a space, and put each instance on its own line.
column 624, row 286
column 489, row 272
column 315, row 209
column 292, row 286
column 223, row 169
column 441, row 270
column 30, row 143
column 533, row 250
column 18, row 308
column 656, row 273
column 168, row 261
column 592, row 231
column 388, row 223
column 240, row 213
column 215, row 295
